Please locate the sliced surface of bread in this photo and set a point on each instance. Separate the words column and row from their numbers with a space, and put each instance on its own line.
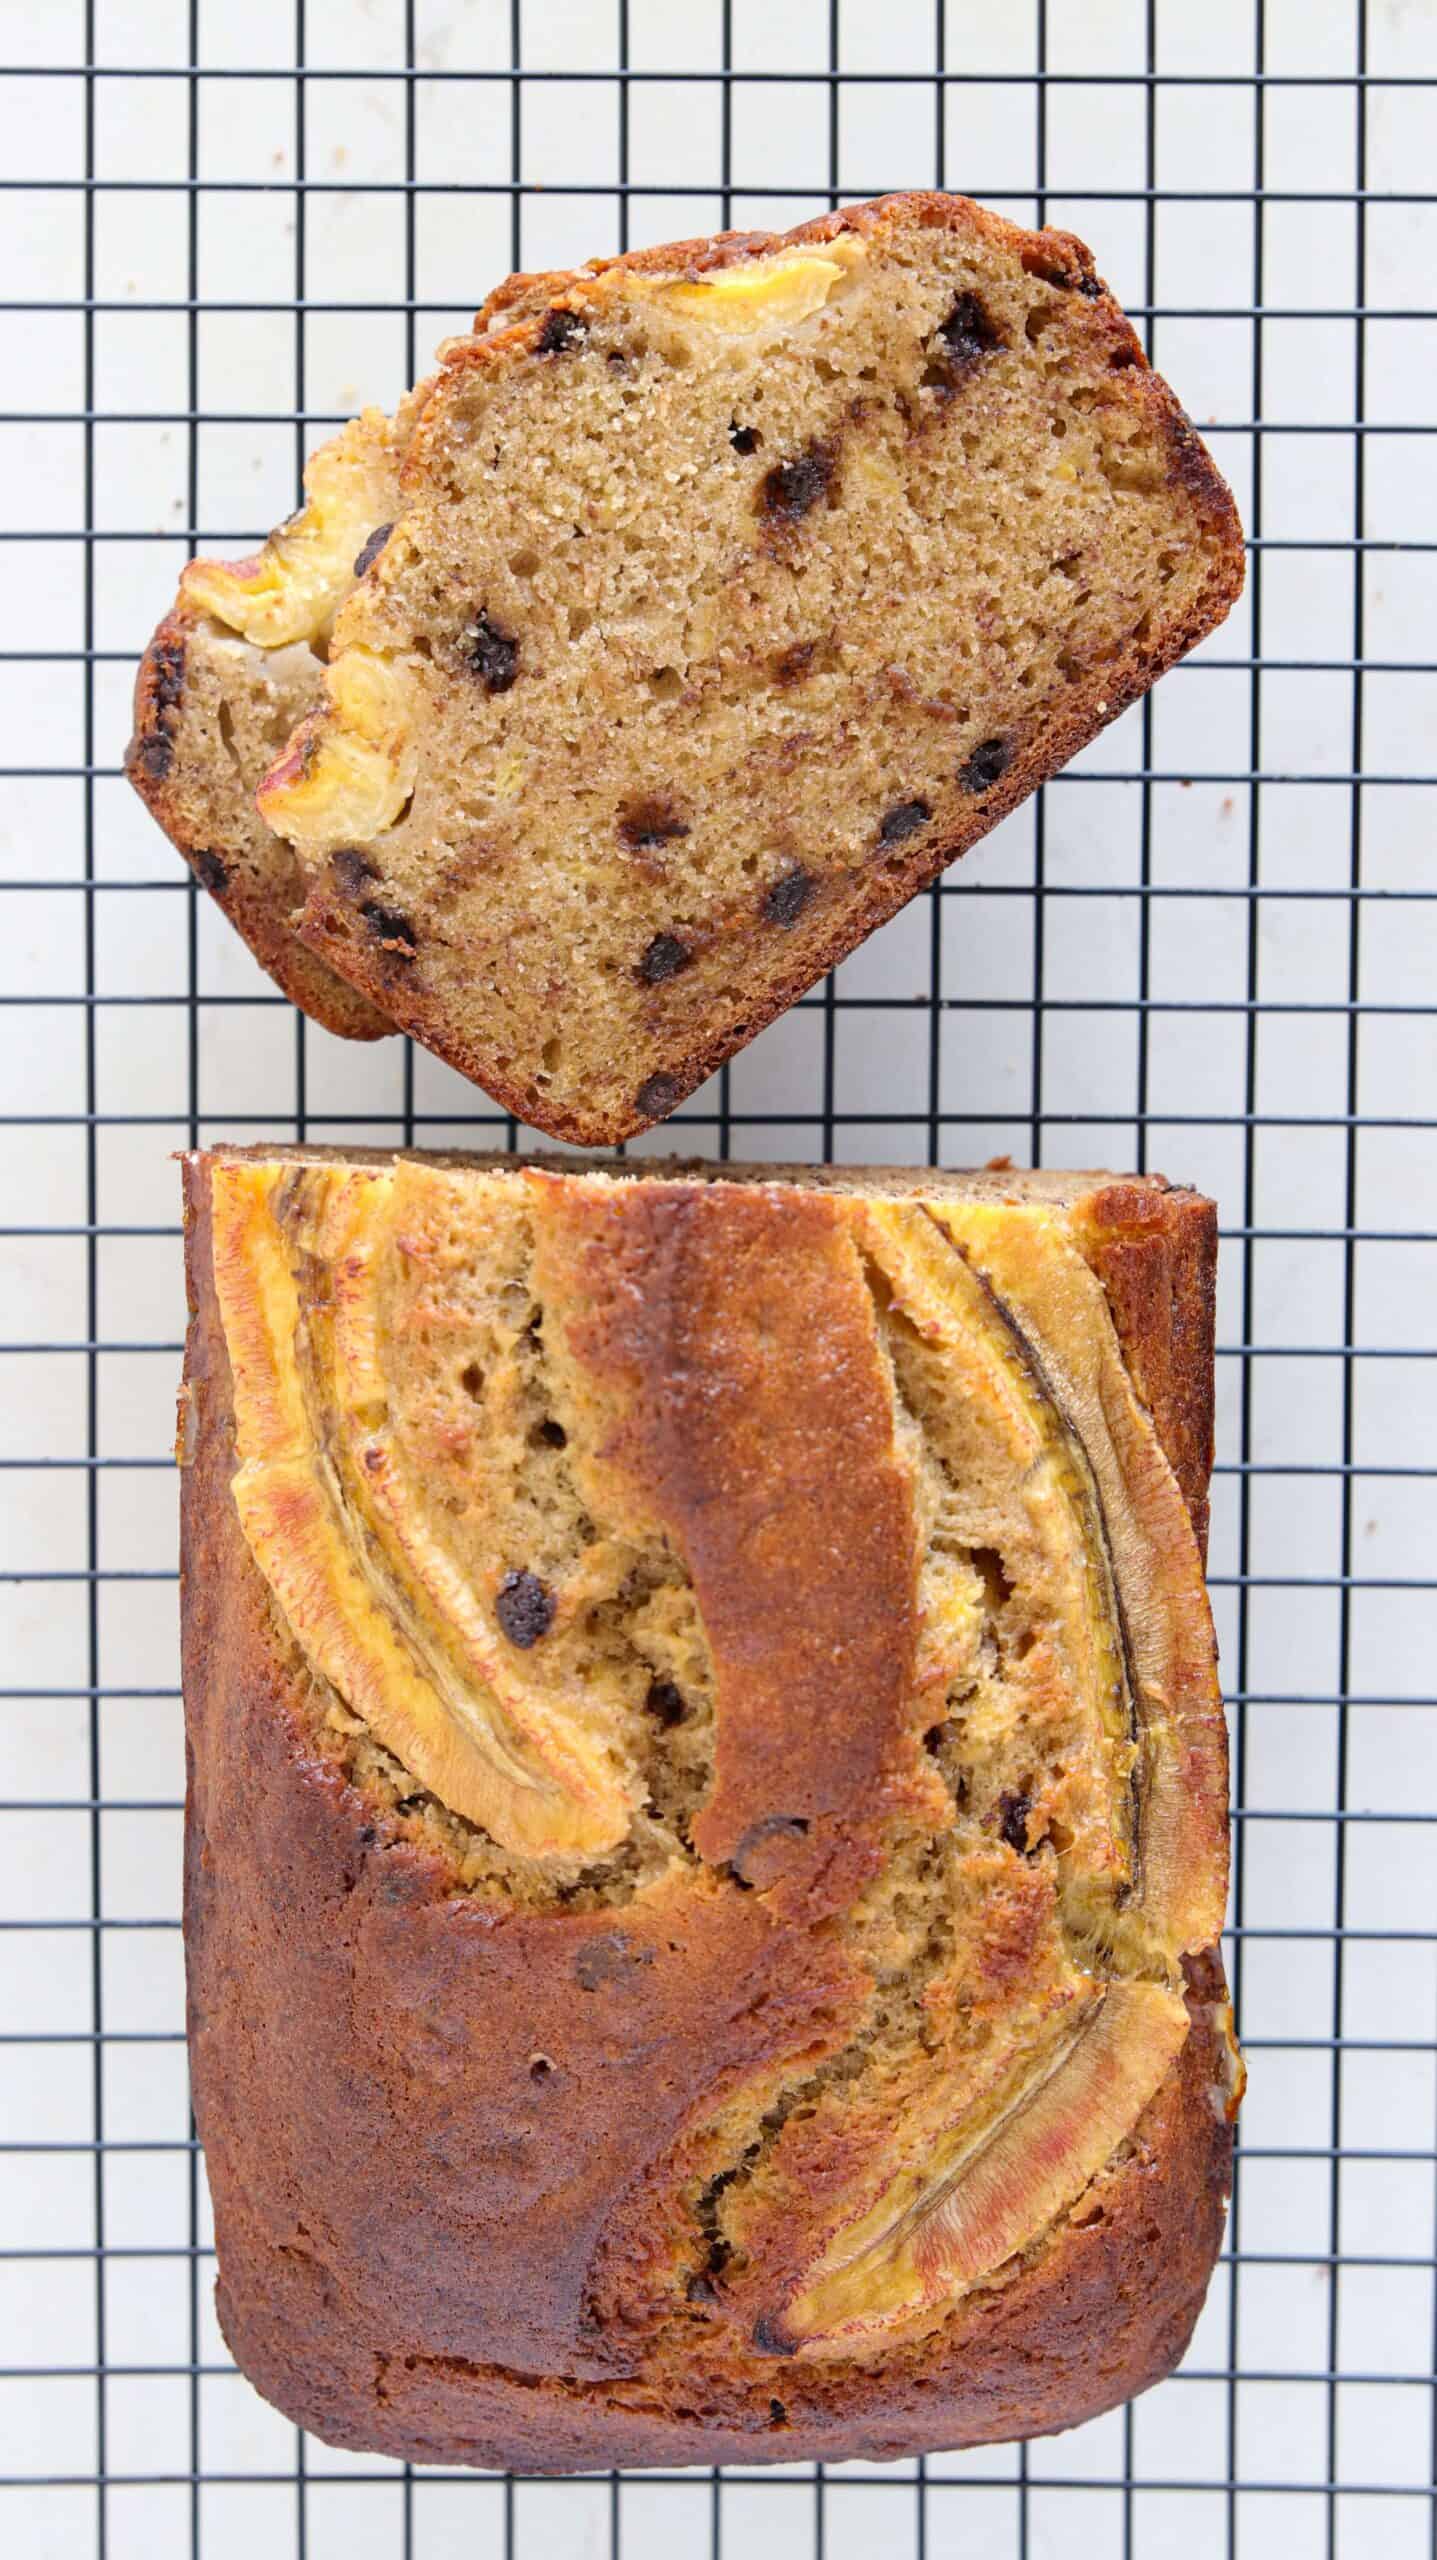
column 235, row 664
column 707, row 1823
column 737, row 588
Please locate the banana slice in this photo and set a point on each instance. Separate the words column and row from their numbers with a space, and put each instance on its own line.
column 290, row 589
column 763, row 293
column 996, row 2181
column 341, row 1535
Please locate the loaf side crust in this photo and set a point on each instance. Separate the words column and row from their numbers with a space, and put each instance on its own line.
column 370, row 2145
column 251, row 874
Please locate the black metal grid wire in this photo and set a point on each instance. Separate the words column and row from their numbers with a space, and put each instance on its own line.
column 1312, row 1650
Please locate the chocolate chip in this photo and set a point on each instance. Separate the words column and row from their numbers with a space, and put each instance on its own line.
column 664, row 958
column 986, row 765
column 524, row 1607
column 785, row 900
column 391, row 928
column 792, row 665
column 769, row 2340
column 212, row 873
column 743, row 439
column 666, row 1702
column 609, row 1959
column 371, row 549
column 658, row 1095
column 904, row 820
column 1013, row 1812
column 701, row 2289
column 1092, row 287
column 553, row 1434
column 561, row 330
column 154, row 751
column 351, row 869
column 168, row 664
column 791, row 488
column 969, row 332
column 649, row 823
column 492, row 653
column 155, row 754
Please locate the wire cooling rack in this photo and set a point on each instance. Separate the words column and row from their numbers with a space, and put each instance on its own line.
column 1209, row 947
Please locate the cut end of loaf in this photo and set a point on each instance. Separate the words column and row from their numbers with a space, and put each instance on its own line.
column 739, row 587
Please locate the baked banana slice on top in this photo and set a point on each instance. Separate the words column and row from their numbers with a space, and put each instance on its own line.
column 235, row 663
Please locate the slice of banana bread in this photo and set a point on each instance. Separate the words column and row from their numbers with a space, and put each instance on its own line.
column 231, row 669
column 738, row 587
column 706, row 1839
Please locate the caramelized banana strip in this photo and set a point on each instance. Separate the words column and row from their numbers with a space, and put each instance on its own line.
column 989, row 2188
column 374, row 1602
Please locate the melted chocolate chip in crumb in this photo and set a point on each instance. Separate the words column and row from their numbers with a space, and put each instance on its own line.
column 785, row 901
column 649, row 823
column 1013, row 1812
column 561, row 330
column 791, row 488
column 743, row 439
column 658, row 1096
column 352, row 870
column 169, row 666
column 969, row 332
column 667, row 1702
column 372, row 548
column 904, row 820
column 524, row 1607
column 154, row 752
column 493, row 653
column 212, row 873
column 793, row 664
column 391, row 928
column 664, row 958
column 986, row 765
column 553, row 1434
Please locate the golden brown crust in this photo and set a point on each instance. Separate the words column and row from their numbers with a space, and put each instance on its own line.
column 431, row 2121
column 739, row 1339
column 1155, row 1252
column 513, row 320
column 156, row 764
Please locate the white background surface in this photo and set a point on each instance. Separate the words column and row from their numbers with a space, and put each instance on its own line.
column 1304, row 2371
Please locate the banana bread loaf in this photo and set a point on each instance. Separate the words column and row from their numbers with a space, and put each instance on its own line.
column 738, row 586
column 235, row 664
column 706, row 1836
